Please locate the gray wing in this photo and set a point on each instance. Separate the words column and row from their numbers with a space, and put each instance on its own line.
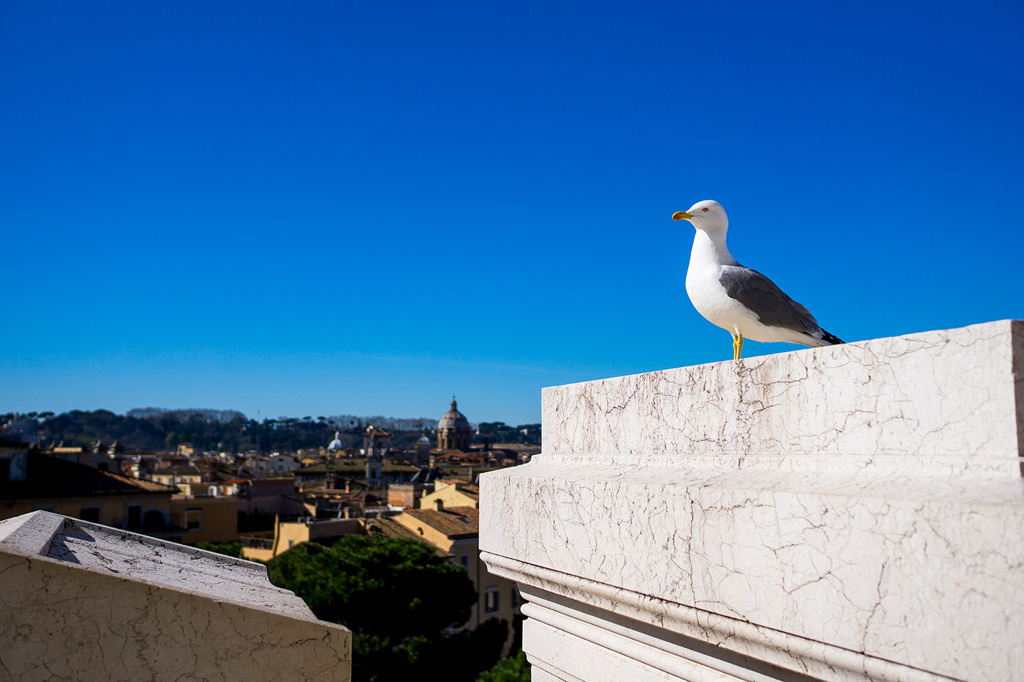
column 773, row 307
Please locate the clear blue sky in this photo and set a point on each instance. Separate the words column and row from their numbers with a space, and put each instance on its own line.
column 316, row 208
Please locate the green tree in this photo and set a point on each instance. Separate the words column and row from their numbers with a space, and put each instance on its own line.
column 399, row 598
column 227, row 548
column 511, row 669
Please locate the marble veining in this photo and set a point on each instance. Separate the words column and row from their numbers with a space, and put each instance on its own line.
column 942, row 392
column 851, row 512
column 88, row 602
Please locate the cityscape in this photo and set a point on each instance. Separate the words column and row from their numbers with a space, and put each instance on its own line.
column 286, row 482
column 508, row 342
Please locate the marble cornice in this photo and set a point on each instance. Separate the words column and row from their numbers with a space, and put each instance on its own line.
column 844, row 513
column 682, row 640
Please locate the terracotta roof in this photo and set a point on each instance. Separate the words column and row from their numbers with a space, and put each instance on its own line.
column 460, row 456
column 333, row 494
column 454, row 522
column 52, row 477
column 343, row 467
column 468, row 490
column 178, row 470
column 393, row 529
column 390, row 528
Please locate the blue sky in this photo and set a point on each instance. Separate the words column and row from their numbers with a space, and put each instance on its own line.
column 319, row 208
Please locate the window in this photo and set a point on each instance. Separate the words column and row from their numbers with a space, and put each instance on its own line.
column 514, row 599
column 133, row 517
column 491, row 600
column 154, row 518
column 464, row 561
column 90, row 514
column 193, row 519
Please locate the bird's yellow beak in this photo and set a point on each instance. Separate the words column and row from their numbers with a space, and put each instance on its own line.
column 681, row 215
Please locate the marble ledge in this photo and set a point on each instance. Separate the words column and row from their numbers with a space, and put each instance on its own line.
column 669, row 641
column 950, row 392
column 847, row 513
column 85, row 601
column 928, row 577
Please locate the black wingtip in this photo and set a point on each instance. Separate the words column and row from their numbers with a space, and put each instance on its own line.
column 831, row 338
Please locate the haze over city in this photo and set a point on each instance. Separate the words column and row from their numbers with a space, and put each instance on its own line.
column 365, row 208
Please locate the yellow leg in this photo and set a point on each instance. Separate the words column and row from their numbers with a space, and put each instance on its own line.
column 737, row 346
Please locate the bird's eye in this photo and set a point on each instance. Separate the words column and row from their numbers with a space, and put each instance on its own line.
column 705, row 209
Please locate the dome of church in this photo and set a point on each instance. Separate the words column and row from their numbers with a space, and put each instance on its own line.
column 453, row 419
column 336, row 444
column 453, row 430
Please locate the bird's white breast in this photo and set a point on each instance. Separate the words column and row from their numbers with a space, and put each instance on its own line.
column 708, row 295
column 711, row 300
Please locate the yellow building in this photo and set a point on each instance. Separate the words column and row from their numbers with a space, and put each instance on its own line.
column 288, row 534
column 206, row 519
column 181, row 475
column 456, row 531
column 451, row 493
column 33, row 481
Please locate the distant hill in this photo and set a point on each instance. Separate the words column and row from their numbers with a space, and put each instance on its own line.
column 153, row 428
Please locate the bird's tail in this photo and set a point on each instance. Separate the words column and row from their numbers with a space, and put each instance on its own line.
column 831, row 338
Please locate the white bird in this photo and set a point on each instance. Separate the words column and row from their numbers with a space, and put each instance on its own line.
column 740, row 300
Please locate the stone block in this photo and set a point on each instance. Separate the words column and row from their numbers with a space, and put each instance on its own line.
column 851, row 512
column 81, row 601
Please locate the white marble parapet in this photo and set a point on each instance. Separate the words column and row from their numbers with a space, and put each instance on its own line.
column 852, row 512
column 951, row 392
column 88, row 602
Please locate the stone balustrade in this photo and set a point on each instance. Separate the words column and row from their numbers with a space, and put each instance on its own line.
column 81, row 601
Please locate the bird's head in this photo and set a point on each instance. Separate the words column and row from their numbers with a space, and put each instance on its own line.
column 704, row 215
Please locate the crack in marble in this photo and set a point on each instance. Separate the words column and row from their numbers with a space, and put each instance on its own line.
column 71, row 617
column 866, row 497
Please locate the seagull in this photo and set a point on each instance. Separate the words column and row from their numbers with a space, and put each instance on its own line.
column 740, row 300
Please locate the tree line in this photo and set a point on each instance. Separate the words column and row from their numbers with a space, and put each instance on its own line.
column 154, row 429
